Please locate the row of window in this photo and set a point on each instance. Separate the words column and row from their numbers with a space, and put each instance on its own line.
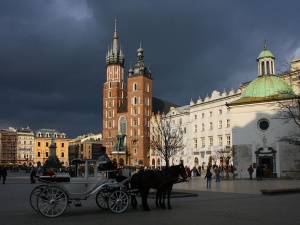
column 47, row 144
column 47, row 154
column 211, row 141
column 133, row 122
column 116, row 71
column 210, row 125
column 137, row 111
column 20, row 142
column 220, row 112
column 39, row 134
column 137, row 100
column 135, row 87
column 110, row 94
column 133, row 133
column 121, row 85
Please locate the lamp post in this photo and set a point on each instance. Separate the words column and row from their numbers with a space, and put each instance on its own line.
column 26, row 158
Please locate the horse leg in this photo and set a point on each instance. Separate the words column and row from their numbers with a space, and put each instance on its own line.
column 169, row 194
column 158, row 193
column 133, row 202
column 144, row 196
column 162, row 199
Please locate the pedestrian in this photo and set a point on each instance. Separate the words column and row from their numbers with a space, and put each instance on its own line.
column 208, row 176
column 250, row 170
column 3, row 174
column 218, row 171
column 258, row 173
column 32, row 175
column 188, row 172
column 199, row 170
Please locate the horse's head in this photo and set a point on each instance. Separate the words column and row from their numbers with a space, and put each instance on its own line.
column 180, row 171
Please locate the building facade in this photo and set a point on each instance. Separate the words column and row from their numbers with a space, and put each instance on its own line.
column 207, row 133
column 25, row 152
column 8, row 146
column 42, row 144
column 85, row 147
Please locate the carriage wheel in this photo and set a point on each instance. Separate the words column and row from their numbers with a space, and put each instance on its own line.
column 34, row 196
column 102, row 198
column 118, row 201
column 52, row 201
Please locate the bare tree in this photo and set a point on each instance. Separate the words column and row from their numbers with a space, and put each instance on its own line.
column 224, row 155
column 166, row 137
column 289, row 109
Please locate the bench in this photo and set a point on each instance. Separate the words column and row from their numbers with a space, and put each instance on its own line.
column 280, row 191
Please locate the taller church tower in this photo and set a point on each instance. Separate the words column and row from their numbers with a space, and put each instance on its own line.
column 114, row 92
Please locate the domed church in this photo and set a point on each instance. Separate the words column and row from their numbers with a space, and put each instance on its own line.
column 258, row 129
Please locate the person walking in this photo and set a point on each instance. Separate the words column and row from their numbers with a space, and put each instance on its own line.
column 258, row 173
column 208, row 176
column 32, row 175
column 3, row 174
column 199, row 170
column 250, row 170
column 218, row 171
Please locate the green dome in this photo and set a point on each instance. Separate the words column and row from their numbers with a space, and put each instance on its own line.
column 265, row 88
column 265, row 53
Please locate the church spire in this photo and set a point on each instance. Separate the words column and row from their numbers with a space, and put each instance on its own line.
column 115, row 54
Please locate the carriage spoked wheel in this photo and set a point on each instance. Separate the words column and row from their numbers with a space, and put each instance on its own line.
column 34, row 196
column 52, row 201
column 118, row 201
column 102, row 198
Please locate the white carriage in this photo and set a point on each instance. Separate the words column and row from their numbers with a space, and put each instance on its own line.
column 90, row 177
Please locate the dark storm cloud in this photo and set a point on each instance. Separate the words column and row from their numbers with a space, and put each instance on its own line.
column 52, row 53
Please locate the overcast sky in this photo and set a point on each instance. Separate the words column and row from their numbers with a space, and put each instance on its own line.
column 52, row 52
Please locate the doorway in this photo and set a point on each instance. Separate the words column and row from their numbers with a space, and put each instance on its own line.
column 266, row 163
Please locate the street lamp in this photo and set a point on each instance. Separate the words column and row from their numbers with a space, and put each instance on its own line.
column 26, row 158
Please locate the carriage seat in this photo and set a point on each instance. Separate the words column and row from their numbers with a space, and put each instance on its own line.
column 55, row 178
column 104, row 165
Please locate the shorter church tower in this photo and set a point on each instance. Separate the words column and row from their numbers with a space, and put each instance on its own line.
column 139, row 108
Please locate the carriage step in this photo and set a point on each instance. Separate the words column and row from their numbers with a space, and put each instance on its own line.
column 133, row 191
column 78, row 205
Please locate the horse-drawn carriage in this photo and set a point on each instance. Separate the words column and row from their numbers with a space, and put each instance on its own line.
column 89, row 177
column 114, row 189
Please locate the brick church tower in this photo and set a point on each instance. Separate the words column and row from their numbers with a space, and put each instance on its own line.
column 127, row 109
column 139, row 110
column 114, row 92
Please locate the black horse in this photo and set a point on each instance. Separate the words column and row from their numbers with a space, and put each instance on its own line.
column 162, row 181
column 171, row 176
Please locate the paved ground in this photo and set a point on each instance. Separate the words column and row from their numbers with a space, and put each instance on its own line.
column 228, row 202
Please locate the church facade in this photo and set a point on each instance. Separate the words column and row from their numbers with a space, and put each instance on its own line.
column 128, row 105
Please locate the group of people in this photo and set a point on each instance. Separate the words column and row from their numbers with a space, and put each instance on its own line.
column 3, row 174
column 258, row 172
column 34, row 175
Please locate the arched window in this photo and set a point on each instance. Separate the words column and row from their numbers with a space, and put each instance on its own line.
column 122, row 124
column 135, row 87
column 268, row 67
column 109, row 84
column 147, row 87
column 134, row 100
column 109, row 94
column 262, row 68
